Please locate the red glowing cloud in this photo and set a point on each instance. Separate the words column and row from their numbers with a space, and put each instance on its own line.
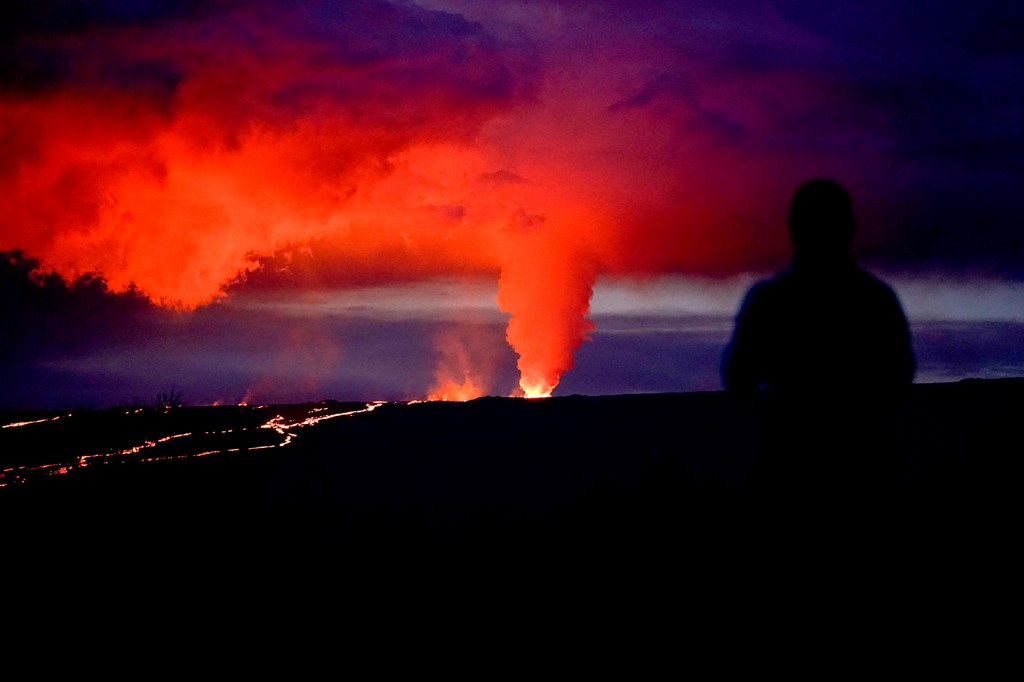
column 241, row 133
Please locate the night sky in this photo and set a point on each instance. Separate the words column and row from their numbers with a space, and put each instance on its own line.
column 264, row 202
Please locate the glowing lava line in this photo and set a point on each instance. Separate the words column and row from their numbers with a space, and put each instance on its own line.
column 278, row 424
column 36, row 421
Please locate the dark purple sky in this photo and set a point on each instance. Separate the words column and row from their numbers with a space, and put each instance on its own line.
column 380, row 200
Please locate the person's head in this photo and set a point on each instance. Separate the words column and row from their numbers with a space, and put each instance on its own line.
column 821, row 222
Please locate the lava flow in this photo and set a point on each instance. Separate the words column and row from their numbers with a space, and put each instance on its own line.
column 39, row 448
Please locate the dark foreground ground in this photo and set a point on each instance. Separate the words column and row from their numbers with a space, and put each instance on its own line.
column 642, row 501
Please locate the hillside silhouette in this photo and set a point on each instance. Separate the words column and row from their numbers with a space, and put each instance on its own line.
column 629, row 518
column 563, row 476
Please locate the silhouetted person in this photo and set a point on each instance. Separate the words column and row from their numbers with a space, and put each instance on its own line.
column 825, row 348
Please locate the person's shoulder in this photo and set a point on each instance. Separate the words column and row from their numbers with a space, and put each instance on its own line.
column 764, row 297
column 762, row 289
column 878, row 293
column 779, row 284
column 873, row 282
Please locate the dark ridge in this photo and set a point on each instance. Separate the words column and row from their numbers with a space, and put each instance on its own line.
column 630, row 500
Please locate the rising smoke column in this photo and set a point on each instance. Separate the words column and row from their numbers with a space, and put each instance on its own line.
column 546, row 283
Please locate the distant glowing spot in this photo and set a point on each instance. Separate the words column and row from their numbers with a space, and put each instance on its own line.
column 534, row 390
column 456, row 392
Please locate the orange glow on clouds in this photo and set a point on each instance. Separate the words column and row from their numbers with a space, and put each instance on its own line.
column 464, row 366
column 456, row 392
